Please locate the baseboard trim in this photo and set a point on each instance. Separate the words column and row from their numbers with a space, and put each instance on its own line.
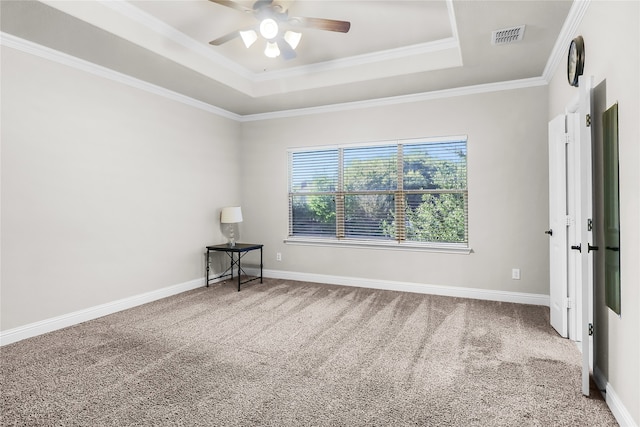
column 619, row 411
column 420, row 288
column 49, row 325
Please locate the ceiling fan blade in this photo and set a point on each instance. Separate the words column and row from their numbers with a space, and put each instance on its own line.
column 232, row 5
column 321, row 24
column 227, row 37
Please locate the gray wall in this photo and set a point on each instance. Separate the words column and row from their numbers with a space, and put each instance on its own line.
column 611, row 34
column 107, row 191
column 507, row 182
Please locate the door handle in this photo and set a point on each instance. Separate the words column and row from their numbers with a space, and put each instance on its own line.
column 613, row 248
column 577, row 247
column 549, row 232
column 591, row 248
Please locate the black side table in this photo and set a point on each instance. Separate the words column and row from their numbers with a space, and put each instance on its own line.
column 241, row 249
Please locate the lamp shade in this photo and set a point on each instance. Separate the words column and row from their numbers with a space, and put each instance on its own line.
column 231, row 215
column 292, row 38
column 272, row 50
column 248, row 37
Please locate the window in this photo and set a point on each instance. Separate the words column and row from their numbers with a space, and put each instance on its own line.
column 408, row 192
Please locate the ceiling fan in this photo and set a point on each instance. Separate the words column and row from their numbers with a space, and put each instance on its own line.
column 276, row 27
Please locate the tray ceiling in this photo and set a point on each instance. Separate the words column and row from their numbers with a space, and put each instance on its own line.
column 394, row 48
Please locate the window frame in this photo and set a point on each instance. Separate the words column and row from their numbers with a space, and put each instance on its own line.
column 340, row 239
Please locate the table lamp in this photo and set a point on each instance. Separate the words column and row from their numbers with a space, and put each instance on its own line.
column 231, row 215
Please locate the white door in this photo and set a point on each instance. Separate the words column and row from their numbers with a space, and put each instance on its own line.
column 570, row 215
column 557, row 232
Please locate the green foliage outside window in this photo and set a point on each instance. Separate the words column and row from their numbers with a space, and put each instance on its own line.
column 413, row 192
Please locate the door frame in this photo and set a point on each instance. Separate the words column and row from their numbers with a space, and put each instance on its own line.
column 586, row 207
column 580, row 108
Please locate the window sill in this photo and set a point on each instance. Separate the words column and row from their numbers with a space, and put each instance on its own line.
column 451, row 248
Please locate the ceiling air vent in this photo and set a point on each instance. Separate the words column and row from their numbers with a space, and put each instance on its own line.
column 507, row 35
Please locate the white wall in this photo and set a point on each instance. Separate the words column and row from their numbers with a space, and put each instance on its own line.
column 507, row 181
column 611, row 33
column 107, row 191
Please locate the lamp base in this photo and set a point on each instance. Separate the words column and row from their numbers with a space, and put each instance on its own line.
column 232, row 237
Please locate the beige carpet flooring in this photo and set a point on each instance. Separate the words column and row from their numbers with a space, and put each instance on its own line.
column 287, row 353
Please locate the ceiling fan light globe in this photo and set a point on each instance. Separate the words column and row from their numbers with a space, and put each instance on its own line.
column 248, row 37
column 272, row 50
column 269, row 28
column 292, row 38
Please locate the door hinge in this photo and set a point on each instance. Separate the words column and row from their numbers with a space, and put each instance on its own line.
column 569, row 220
column 588, row 120
column 568, row 302
column 590, row 329
column 589, row 224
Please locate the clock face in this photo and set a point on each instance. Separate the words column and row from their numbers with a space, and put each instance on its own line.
column 575, row 60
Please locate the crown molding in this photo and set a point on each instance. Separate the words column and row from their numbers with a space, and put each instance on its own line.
column 124, row 20
column 135, row 14
column 452, row 20
column 402, row 99
column 149, row 21
column 440, row 54
column 364, row 59
column 35, row 49
column 569, row 29
column 26, row 46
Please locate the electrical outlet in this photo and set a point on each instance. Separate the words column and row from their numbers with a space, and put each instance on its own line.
column 515, row 273
column 278, row 256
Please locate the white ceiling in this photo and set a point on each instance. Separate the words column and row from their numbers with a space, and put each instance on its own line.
column 394, row 47
column 203, row 21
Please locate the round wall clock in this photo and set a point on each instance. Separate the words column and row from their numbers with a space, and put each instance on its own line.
column 575, row 60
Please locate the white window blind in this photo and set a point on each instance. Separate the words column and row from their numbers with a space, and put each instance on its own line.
column 409, row 191
column 370, row 179
column 312, row 193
